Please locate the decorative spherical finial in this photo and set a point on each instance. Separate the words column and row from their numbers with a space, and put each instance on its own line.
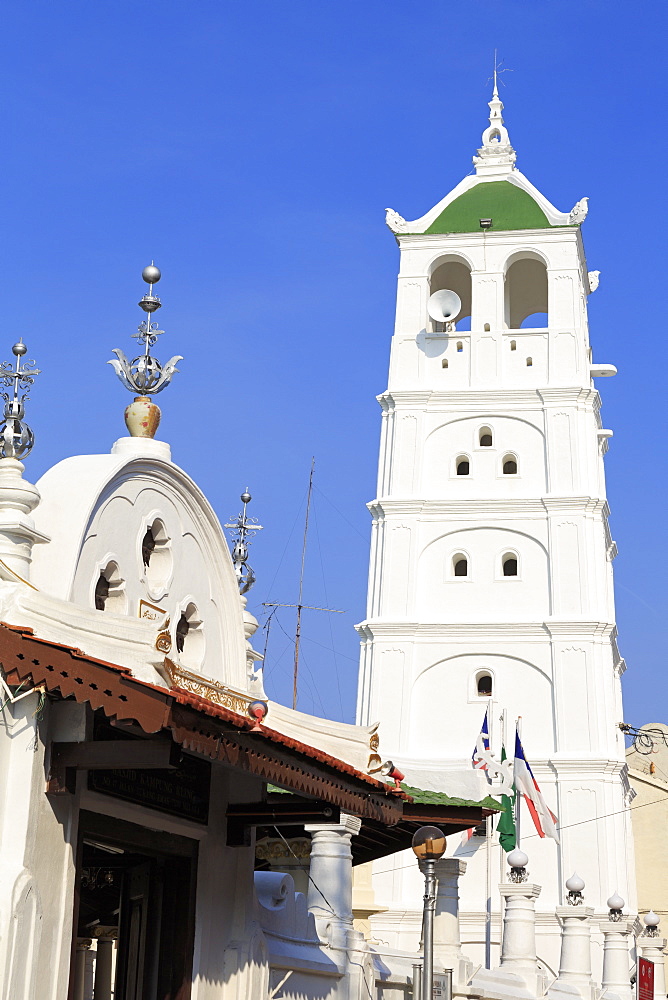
column 517, row 859
column 18, row 350
column 246, row 497
column 151, row 274
column 575, row 883
column 145, row 375
column 615, row 902
column 651, row 920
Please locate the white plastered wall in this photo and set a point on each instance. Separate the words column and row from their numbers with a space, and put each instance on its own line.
column 547, row 636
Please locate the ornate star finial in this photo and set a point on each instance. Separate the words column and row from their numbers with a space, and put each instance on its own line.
column 144, row 374
column 16, row 438
column 242, row 528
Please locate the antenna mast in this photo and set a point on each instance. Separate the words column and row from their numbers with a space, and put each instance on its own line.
column 299, row 606
column 298, row 630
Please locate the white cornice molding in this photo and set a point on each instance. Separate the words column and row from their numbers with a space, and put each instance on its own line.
column 494, row 400
column 487, row 631
column 502, row 237
column 567, row 394
column 573, row 629
column 514, row 508
column 580, row 767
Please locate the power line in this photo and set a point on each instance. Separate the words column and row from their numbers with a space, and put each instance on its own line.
column 349, row 523
column 532, row 836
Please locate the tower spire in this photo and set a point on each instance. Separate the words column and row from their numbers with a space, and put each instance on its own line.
column 496, row 155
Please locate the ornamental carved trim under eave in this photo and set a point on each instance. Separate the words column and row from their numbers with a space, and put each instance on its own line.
column 269, row 849
column 217, row 693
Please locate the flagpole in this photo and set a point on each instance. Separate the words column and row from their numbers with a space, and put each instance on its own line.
column 488, row 855
column 504, row 740
column 518, row 797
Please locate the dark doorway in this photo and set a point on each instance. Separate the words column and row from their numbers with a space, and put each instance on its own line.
column 137, row 886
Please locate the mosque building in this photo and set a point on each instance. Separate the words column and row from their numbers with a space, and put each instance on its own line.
column 168, row 832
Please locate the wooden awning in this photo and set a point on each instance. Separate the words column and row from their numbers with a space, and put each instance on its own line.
column 196, row 724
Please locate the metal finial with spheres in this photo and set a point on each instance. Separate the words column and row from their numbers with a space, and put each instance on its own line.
column 144, row 374
column 16, row 437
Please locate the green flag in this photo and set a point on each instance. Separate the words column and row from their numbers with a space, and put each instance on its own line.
column 506, row 825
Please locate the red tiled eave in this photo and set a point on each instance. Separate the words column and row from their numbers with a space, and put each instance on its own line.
column 112, row 688
column 217, row 711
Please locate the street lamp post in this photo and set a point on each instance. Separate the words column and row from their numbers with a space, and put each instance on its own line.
column 428, row 847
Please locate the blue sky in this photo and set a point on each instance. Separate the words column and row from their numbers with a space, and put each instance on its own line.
column 251, row 148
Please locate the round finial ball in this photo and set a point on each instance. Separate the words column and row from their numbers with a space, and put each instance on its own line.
column 246, row 497
column 575, row 883
column 651, row 919
column 18, row 350
column 517, row 859
column 615, row 902
column 151, row 274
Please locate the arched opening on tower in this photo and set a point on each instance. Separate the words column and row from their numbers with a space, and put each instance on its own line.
column 462, row 466
column 509, row 563
column 456, row 276
column 526, row 294
column 484, row 686
column 460, row 565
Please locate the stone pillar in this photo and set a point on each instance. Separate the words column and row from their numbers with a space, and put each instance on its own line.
column 447, row 939
column 89, row 975
column 575, row 961
column 83, row 944
column 616, row 973
column 104, row 967
column 518, row 944
column 330, row 890
column 652, row 947
column 517, row 976
column 291, row 860
column 17, row 528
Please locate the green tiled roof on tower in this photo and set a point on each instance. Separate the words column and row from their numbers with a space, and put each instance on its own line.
column 506, row 204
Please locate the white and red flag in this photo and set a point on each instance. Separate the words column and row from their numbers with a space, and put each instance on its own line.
column 544, row 820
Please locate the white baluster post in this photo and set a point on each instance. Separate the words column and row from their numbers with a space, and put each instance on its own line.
column 83, row 944
column 447, row 939
column 616, row 930
column 518, row 944
column 575, row 962
column 104, row 966
column 652, row 947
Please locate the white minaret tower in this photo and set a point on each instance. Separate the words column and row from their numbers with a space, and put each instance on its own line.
column 491, row 560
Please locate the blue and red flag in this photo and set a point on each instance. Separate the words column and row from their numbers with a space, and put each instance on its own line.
column 482, row 743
